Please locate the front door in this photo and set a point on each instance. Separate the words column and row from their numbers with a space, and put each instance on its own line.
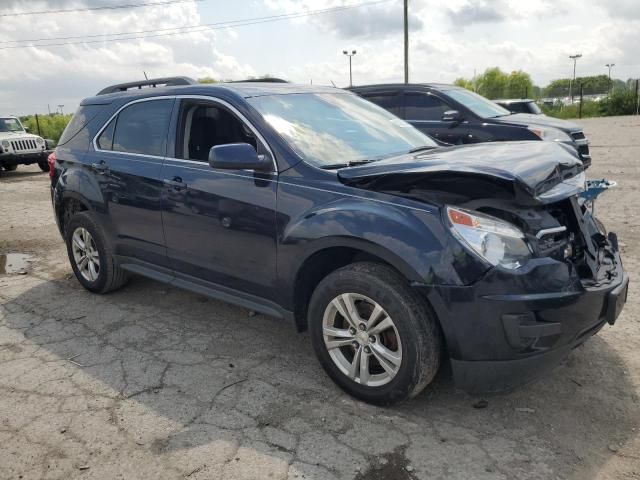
column 425, row 111
column 219, row 224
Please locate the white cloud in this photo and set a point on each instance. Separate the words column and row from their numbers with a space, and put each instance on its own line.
column 39, row 76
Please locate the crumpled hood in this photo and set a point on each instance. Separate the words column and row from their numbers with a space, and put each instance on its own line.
column 532, row 168
column 539, row 120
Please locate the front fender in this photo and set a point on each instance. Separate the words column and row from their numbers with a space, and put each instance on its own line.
column 413, row 240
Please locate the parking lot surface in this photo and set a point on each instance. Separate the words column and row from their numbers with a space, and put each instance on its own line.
column 154, row 382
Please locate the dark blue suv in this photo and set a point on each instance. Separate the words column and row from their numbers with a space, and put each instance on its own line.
column 315, row 205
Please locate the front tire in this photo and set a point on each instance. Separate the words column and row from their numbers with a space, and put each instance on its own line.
column 44, row 165
column 374, row 335
column 91, row 256
column 10, row 168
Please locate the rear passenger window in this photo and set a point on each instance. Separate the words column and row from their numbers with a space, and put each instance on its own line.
column 389, row 101
column 139, row 128
column 422, row 106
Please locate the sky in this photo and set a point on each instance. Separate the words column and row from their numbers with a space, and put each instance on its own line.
column 448, row 39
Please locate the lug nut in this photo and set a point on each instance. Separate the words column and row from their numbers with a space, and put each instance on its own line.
column 355, row 345
column 362, row 326
column 352, row 331
column 367, row 350
column 372, row 339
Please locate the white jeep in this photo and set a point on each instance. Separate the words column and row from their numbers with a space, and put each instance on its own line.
column 19, row 147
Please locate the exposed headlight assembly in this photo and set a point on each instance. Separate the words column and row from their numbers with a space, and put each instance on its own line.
column 550, row 134
column 495, row 241
column 5, row 143
column 39, row 141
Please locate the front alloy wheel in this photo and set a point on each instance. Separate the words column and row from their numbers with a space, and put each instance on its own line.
column 362, row 339
column 85, row 254
column 374, row 335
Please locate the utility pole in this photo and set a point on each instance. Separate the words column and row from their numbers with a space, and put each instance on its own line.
column 60, row 107
column 610, row 66
column 406, row 41
column 350, row 54
column 574, row 58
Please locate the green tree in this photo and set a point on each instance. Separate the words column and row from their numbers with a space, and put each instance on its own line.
column 51, row 126
column 464, row 83
column 519, row 85
column 207, row 80
column 492, row 83
column 620, row 102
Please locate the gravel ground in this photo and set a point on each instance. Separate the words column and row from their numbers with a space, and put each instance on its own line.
column 153, row 382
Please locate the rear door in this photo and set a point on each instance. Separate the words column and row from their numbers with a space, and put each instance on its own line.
column 127, row 161
column 220, row 225
column 425, row 111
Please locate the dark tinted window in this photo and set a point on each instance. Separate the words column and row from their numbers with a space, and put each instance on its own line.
column 83, row 115
column 203, row 126
column 388, row 101
column 142, row 128
column 105, row 140
column 421, row 106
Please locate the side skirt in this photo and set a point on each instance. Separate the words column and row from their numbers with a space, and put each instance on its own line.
column 212, row 290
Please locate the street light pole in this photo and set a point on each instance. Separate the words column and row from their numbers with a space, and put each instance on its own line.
column 406, row 41
column 574, row 58
column 350, row 54
column 610, row 66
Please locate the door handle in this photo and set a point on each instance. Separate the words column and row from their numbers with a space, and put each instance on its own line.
column 101, row 167
column 176, row 183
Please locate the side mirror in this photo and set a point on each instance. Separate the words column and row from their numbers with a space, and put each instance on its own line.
column 452, row 116
column 238, row 156
column 27, row 129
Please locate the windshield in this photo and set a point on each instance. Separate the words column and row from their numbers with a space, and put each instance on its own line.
column 477, row 104
column 10, row 125
column 329, row 129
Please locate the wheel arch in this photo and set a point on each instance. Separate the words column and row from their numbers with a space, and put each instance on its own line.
column 330, row 254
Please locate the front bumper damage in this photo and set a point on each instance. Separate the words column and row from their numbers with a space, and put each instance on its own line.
column 512, row 326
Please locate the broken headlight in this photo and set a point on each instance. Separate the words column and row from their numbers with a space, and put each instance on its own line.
column 494, row 240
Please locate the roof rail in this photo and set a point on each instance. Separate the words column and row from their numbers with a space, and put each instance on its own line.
column 261, row 80
column 153, row 82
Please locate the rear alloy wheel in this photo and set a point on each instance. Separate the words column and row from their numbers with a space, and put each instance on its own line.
column 374, row 335
column 91, row 256
column 85, row 254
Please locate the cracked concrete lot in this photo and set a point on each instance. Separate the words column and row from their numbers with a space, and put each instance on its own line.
column 152, row 382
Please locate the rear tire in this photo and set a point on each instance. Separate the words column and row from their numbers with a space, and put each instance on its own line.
column 10, row 168
column 91, row 256
column 390, row 324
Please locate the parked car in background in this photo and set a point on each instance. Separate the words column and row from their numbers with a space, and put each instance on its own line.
column 314, row 205
column 19, row 147
column 520, row 105
column 458, row 116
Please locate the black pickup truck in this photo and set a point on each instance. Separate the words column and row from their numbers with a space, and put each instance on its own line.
column 457, row 116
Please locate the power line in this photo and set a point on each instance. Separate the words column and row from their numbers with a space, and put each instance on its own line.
column 91, row 9
column 181, row 30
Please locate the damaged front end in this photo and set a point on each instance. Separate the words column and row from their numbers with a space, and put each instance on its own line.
column 553, row 276
column 541, row 192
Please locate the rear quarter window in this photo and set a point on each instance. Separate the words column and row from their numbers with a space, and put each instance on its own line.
column 80, row 119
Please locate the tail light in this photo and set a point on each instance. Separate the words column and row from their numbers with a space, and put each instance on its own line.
column 51, row 160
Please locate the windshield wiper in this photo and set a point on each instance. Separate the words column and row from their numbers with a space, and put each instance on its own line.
column 423, row 147
column 352, row 163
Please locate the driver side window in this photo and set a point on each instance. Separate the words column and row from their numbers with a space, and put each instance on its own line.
column 206, row 124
